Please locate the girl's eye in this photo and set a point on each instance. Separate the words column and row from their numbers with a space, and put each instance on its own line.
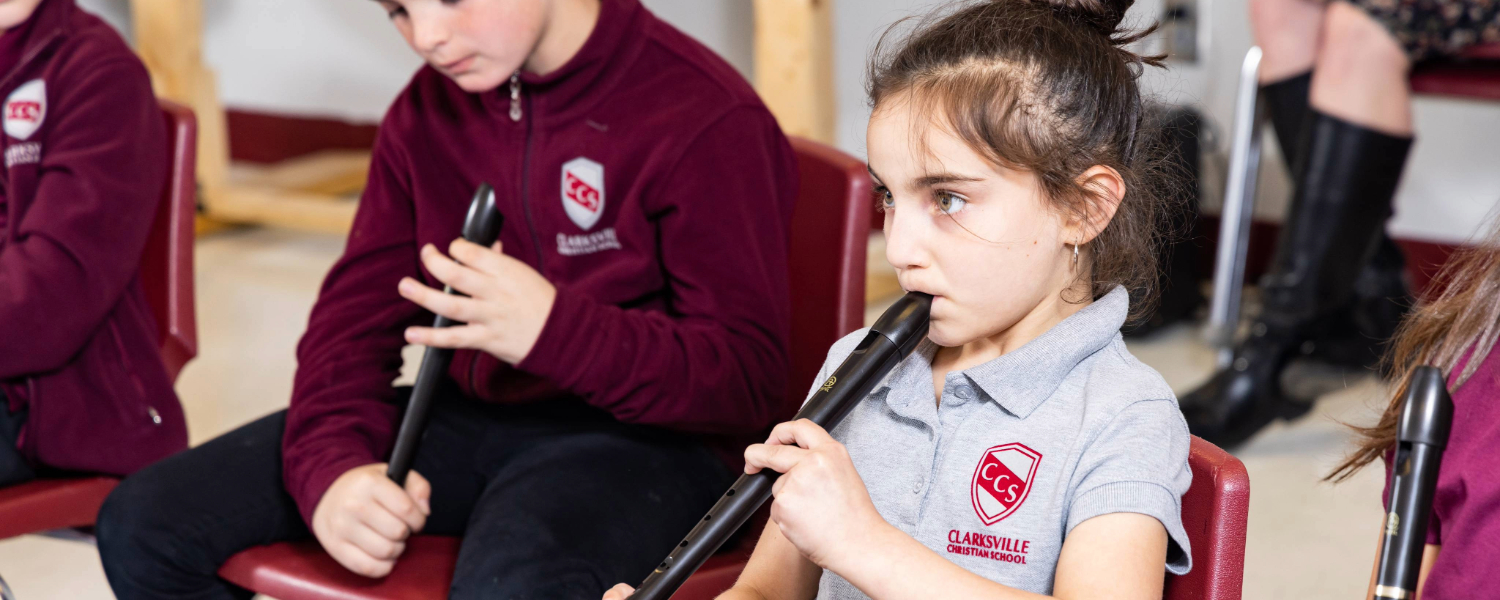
column 396, row 13
column 886, row 199
column 950, row 203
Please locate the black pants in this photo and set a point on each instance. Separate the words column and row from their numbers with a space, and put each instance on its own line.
column 13, row 466
column 552, row 501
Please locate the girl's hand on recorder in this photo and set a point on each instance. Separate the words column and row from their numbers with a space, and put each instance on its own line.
column 507, row 306
column 364, row 518
column 821, row 506
column 619, row 592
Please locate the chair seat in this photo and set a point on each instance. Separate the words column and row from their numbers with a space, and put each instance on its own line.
column 47, row 504
column 303, row 571
column 1473, row 74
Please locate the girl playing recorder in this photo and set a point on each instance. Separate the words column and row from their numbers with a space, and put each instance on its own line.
column 1021, row 451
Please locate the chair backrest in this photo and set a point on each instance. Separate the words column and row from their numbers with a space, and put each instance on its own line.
column 1214, row 513
column 167, row 263
column 829, row 235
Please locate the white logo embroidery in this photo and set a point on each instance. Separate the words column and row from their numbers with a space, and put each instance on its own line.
column 588, row 243
column 583, row 191
column 25, row 109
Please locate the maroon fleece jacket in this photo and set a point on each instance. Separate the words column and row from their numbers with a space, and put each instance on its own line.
column 644, row 179
column 85, row 150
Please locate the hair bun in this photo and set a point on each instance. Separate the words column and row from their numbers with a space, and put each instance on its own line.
column 1103, row 16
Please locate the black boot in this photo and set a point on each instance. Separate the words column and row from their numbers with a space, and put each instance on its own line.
column 1354, row 336
column 1357, row 336
column 1286, row 105
column 1346, row 182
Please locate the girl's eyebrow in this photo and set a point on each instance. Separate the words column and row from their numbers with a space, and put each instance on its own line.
column 936, row 179
column 931, row 179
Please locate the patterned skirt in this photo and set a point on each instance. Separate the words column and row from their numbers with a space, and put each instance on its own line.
column 1436, row 28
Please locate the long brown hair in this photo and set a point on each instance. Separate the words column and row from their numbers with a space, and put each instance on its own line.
column 1462, row 320
column 1045, row 86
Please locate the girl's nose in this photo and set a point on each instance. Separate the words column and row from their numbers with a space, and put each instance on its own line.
column 429, row 32
column 906, row 238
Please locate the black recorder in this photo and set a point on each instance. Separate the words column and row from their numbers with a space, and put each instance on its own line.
column 1421, row 435
column 890, row 340
column 481, row 226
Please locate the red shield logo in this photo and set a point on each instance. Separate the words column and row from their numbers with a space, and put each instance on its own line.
column 1002, row 480
column 583, row 191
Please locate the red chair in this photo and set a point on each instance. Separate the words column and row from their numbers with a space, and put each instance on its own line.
column 829, row 232
column 1214, row 514
column 1215, row 510
column 167, row 274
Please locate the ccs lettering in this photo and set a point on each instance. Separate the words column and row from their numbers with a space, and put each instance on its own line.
column 25, row 110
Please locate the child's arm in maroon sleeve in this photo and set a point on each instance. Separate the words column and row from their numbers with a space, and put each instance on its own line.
column 342, row 413
column 717, row 361
column 77, row 248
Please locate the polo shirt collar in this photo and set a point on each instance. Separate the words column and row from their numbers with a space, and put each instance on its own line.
column 1020, row 380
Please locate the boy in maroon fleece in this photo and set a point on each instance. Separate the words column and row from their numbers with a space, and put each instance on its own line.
column 625, row 336
column 82, row 384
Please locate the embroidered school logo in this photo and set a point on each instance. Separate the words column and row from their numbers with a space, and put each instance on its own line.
column 25, row 109
column 583, row 191
column 1002, row 480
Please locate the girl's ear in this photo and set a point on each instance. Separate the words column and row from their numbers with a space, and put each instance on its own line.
column 1105, row 188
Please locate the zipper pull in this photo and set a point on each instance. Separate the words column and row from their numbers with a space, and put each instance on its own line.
column 515, row 97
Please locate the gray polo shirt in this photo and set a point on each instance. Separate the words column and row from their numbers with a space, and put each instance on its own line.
column 1020, row 450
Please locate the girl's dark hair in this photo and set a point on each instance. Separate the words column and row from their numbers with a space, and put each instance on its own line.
column 1044, row 86
column 1453, row 329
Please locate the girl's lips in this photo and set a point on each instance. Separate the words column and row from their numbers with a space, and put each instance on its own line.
column 459, row 66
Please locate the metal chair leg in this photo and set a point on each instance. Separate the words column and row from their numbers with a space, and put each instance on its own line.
column 5, row 593
column 1238, row 211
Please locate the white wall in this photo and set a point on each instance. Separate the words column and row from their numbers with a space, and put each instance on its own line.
column 341, row 58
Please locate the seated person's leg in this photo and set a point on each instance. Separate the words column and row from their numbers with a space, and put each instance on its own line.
column 575, row 513
column 13, row 466
column 1287, row 33
column 166, row 529
column 1362, row 71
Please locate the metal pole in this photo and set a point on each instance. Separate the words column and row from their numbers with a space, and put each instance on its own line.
column 1238, row 210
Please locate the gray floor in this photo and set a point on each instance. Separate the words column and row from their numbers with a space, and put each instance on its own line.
column 1308, row 539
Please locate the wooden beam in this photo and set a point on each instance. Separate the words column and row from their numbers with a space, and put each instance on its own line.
column 287, row 208
column 169, row 40
column 794, row 65
column 327, row 172
column 312, row 193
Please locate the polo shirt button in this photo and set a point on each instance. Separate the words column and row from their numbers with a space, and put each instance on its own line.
column 964, row 392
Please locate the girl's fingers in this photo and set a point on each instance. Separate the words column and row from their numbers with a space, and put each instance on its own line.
column 479, row 258
column 448, row 271
column 458, row 308
column 802, row 432
column 460, row 336
column 776, row 457
column 382, row 521
column 395, row 499
column 619, row 592
column 374, row 545
column 360, row 562
column 420, row 491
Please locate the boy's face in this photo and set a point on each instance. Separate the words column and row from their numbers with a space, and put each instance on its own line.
column 979, row 237
column 478, row 44
column 15, row 12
